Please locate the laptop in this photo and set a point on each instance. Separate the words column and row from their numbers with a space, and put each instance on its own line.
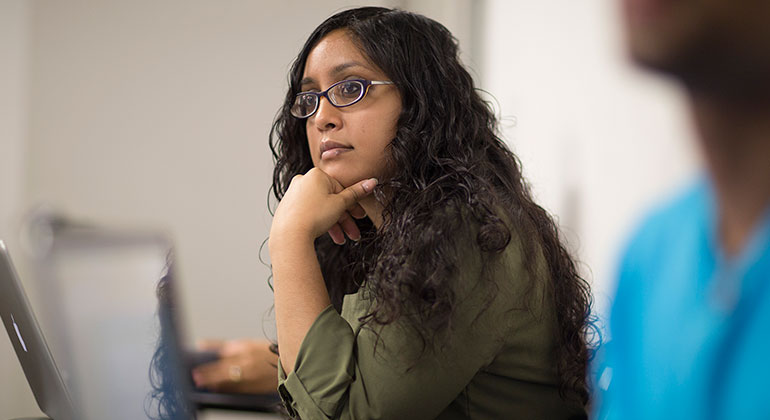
column 114, row 343
column 39, row 366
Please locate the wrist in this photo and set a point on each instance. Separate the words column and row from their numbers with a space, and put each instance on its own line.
column 282, row 236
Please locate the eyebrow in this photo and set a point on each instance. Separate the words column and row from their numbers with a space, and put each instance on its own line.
column 335, row 71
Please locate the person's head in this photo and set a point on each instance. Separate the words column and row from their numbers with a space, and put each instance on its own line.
column 432, row 142
column 709, row 44
column 346, row 139
column 395, row 127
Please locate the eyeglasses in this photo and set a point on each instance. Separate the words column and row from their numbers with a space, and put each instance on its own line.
column 340, row 94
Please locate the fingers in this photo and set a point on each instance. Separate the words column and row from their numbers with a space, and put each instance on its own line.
column 354, row 193
column 211, row 375
column 357, row 211
column 336, row 234
column 250, row 368
column 351, row 194
column 318, row 203
column 350, row 227
column 345, row 226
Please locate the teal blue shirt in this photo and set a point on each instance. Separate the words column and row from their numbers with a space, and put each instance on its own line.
column 690, row 328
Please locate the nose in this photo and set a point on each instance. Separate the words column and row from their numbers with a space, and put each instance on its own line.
column 327, row 116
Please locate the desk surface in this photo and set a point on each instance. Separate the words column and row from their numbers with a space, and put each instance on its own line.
column 32, row 418
column 210, row 415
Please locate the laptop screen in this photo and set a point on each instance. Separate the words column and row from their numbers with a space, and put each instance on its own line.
column 112, row 295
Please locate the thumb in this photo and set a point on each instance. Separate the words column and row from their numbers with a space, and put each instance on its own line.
column 354, row 193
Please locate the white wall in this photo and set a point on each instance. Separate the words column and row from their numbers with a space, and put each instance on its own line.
column 15, row 398
column 156, row 114
column 600, row 140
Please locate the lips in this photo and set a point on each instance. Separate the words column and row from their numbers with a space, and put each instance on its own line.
column 330, row 149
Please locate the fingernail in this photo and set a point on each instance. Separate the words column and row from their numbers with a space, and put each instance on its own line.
column 369, row 184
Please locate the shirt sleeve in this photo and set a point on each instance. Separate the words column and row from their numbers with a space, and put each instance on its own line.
column 315, row 387
column 347, row 371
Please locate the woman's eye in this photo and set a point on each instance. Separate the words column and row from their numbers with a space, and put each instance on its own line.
column 350, row 89
column 306, row 100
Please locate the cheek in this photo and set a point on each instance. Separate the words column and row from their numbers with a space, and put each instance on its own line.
column 313, row 144
column 389, row 129
column 378, row 138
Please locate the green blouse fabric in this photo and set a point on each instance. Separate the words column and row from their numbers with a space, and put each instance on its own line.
column 496, row 362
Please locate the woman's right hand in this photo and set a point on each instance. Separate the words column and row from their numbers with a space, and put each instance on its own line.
column 316, row 203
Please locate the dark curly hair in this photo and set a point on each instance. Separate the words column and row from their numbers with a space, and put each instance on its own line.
column 167, row 399
column 448, row 155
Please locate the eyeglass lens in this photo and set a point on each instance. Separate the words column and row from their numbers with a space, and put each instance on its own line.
column 343, row 93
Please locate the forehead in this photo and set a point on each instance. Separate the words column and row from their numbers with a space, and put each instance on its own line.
column 335, row 53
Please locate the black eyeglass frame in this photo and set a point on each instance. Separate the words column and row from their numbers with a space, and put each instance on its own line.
column 325, row 94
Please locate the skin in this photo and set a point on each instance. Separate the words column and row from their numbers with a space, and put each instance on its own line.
column 364, row 129
column 691, row 39
column 720, row 51
column 257, row 363
column 339, row 186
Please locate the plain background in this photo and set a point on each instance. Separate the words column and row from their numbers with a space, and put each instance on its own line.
column 156, row 114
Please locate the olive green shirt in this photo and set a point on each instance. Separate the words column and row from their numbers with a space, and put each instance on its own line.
column 497, row 362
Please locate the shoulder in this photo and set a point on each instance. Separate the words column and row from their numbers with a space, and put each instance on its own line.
column 488, row 248
column 669, row 230
column 683, row 213
column 498, row 282
column 663, row 258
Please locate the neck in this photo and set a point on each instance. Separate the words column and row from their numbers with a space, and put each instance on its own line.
column 735, row 137
column 373, row 210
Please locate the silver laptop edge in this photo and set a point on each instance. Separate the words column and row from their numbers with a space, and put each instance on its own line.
column 34, row 355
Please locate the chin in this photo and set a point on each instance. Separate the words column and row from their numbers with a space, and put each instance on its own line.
column 673, row 39
column 648, row 53
column 345, row 178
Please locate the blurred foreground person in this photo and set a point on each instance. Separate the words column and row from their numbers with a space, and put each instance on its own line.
column 691, row 317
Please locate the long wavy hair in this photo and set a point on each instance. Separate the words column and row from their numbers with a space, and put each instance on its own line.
column 166, row 399
column 448, row 155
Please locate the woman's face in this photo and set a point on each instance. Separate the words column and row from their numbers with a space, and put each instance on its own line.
column 349, row 143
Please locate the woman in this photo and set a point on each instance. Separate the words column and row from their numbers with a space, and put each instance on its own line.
column 454, row 297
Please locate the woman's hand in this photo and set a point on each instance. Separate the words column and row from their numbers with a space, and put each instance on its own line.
column 316, row 203
column 245, row 366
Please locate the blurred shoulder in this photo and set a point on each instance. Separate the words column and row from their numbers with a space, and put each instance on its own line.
column 672, row 228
